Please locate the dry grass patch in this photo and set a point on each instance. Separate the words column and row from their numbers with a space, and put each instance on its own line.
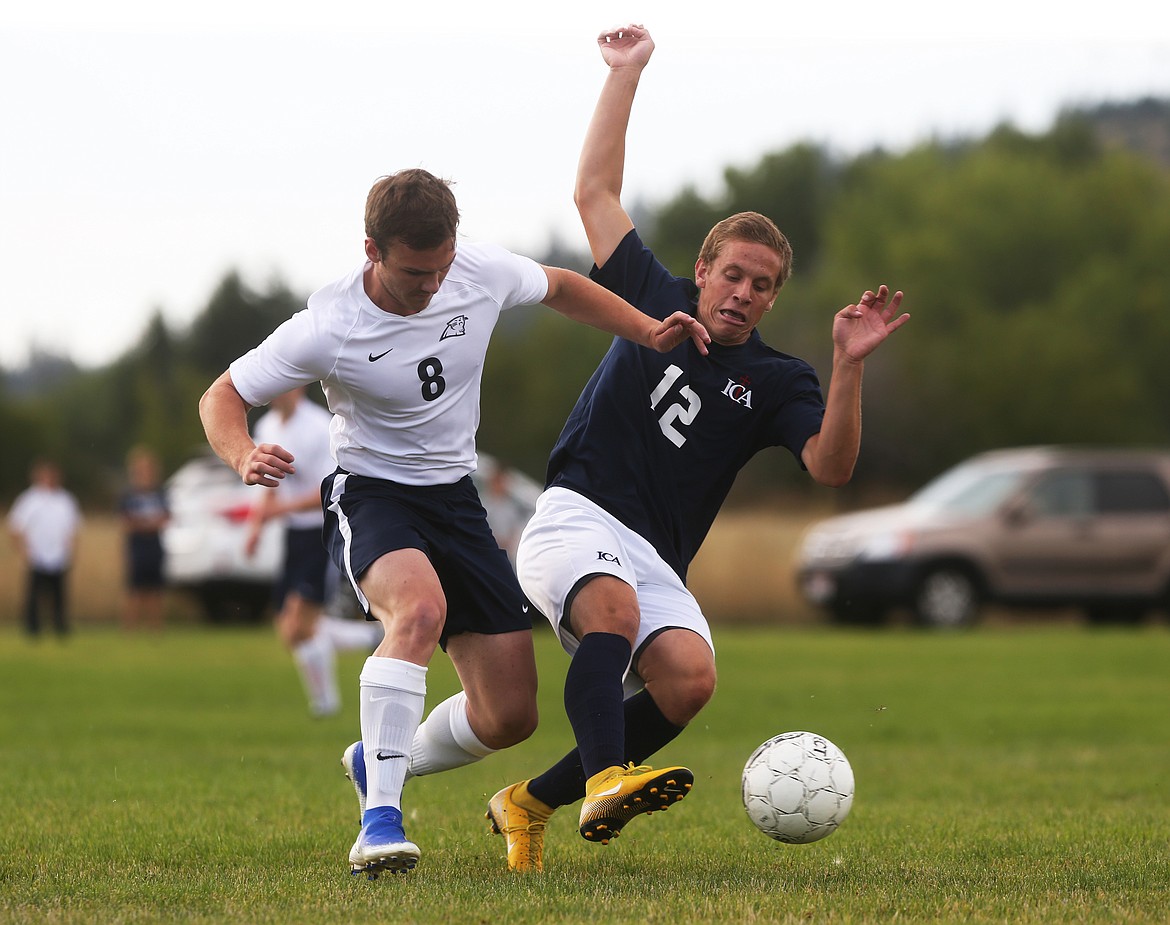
column 743, row 573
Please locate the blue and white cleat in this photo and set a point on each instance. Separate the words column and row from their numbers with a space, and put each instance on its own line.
column 354, row 762
column 382, row 845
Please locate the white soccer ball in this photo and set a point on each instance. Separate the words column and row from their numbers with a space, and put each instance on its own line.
column 797, row 787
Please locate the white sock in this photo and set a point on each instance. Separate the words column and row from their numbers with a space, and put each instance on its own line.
column 393, row 692
column 317, row 665
column 446, row 740
column 351, row 635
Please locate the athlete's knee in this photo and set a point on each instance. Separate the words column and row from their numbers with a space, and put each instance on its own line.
column 405, row 596
column 508, row 726
column 297, row 621
column 519, row 725
column 414, row 625
column 681, row 696
column 690, row 701
column 291, row 634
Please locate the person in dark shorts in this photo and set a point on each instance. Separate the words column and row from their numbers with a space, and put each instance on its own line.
column 640, row 471
column 307, row 577
column 399, row 346
column 144, row 512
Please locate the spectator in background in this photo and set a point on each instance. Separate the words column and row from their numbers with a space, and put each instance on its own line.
column 506, row 515
column 307, row 576
column 43, row 522
column 144, row 512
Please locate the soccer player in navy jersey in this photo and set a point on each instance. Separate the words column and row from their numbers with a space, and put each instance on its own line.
column 639, row 472
column 398, row 346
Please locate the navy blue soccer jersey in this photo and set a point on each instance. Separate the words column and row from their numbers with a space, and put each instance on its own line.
column 657, row 439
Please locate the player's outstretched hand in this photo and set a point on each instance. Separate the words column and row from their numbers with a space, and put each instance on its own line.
column 266, row 465
column 858, row 329
column 677, row 328
column 626, row 46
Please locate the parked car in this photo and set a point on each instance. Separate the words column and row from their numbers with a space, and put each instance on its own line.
column 204, row 540
column 1040, row 526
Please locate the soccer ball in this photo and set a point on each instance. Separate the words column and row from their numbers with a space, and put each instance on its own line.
column 797, row 787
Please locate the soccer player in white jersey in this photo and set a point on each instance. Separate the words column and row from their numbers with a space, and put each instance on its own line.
column 307, row 577
column 399, row 346
column 634, row 485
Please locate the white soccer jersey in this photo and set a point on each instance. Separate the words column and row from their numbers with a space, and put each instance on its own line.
column 404, row 391
column 47, row 519
column 306, row 435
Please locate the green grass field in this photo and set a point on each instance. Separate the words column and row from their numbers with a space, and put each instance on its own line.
column 1006, row 775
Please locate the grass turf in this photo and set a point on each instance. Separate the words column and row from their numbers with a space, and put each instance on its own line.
column 1005, row 775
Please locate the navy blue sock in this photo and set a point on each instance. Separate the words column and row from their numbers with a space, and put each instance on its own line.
column 647, row 730
column 593, row 699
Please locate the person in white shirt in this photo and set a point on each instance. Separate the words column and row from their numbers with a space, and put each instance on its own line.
column 307, row 577
column 43, row 522
column 398, row 346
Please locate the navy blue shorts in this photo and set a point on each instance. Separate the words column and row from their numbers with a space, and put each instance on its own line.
column 144, row 554
column 366, row 518
column 306, row 566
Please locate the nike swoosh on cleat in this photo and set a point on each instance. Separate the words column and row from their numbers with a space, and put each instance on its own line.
column 616, row 788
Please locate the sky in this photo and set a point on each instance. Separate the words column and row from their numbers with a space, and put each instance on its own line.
column 146, row 151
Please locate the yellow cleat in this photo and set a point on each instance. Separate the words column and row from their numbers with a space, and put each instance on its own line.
column 520, row 818
column 616, row 795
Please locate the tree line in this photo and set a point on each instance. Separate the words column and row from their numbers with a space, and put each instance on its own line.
column 1034, row 265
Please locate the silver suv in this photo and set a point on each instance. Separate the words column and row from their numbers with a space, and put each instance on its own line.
column 1041, row 526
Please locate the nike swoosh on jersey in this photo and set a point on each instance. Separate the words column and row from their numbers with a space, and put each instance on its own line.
column 373, row 358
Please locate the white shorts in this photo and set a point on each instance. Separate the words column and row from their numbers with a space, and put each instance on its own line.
column 570, row 538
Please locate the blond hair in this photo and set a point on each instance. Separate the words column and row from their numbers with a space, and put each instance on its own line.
column 752, row 227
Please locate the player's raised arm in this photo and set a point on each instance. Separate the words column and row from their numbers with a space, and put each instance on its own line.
column 603, row 155
column 858, row 330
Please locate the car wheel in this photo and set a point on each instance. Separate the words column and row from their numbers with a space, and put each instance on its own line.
column 947, row 598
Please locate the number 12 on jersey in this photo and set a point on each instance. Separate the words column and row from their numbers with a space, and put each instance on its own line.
column 675, row 414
